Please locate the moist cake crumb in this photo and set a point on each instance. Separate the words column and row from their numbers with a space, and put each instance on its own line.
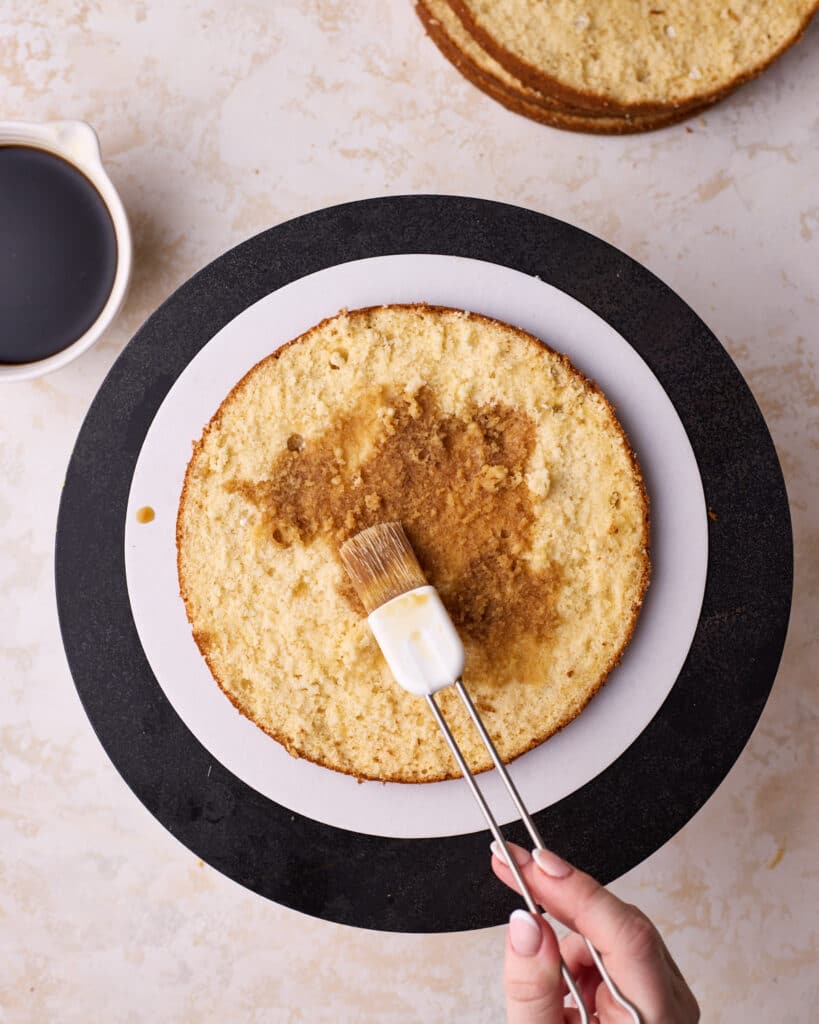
column 516, row 487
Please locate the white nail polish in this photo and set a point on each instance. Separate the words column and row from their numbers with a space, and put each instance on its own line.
column 524, row 933
column 522, row 857
column 550, row 864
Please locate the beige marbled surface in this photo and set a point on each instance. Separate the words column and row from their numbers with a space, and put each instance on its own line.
column 216, row 121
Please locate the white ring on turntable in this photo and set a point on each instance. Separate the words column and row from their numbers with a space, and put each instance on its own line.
column 679, row 544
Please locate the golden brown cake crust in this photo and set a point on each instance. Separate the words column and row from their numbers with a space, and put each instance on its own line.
column 285, row 504
column 536, row 78
column 533, row 104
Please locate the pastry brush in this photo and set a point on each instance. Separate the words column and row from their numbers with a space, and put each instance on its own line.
column 425, row 654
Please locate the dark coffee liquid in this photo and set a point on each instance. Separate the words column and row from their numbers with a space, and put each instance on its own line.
column 58, row 254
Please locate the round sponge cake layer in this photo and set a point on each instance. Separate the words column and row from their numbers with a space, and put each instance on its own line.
column 623, row 55
column 448, row 33
column 518, row 491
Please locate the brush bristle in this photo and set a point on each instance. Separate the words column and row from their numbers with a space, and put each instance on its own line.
column 381, row 563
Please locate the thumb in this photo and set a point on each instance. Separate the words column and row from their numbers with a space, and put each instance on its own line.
column 531, row 980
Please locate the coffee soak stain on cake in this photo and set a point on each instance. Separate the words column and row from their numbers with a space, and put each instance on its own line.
column 457, row 484
column 517, row 489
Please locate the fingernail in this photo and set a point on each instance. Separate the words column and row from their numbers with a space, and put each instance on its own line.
column 550, row 864
column 524, row 933
column 521, row 856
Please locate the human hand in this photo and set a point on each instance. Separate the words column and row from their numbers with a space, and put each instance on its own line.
column 632, row 950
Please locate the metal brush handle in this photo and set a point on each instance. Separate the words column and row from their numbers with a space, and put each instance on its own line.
column 531, row 828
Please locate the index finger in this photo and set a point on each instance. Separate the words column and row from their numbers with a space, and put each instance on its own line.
column 581, row 903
